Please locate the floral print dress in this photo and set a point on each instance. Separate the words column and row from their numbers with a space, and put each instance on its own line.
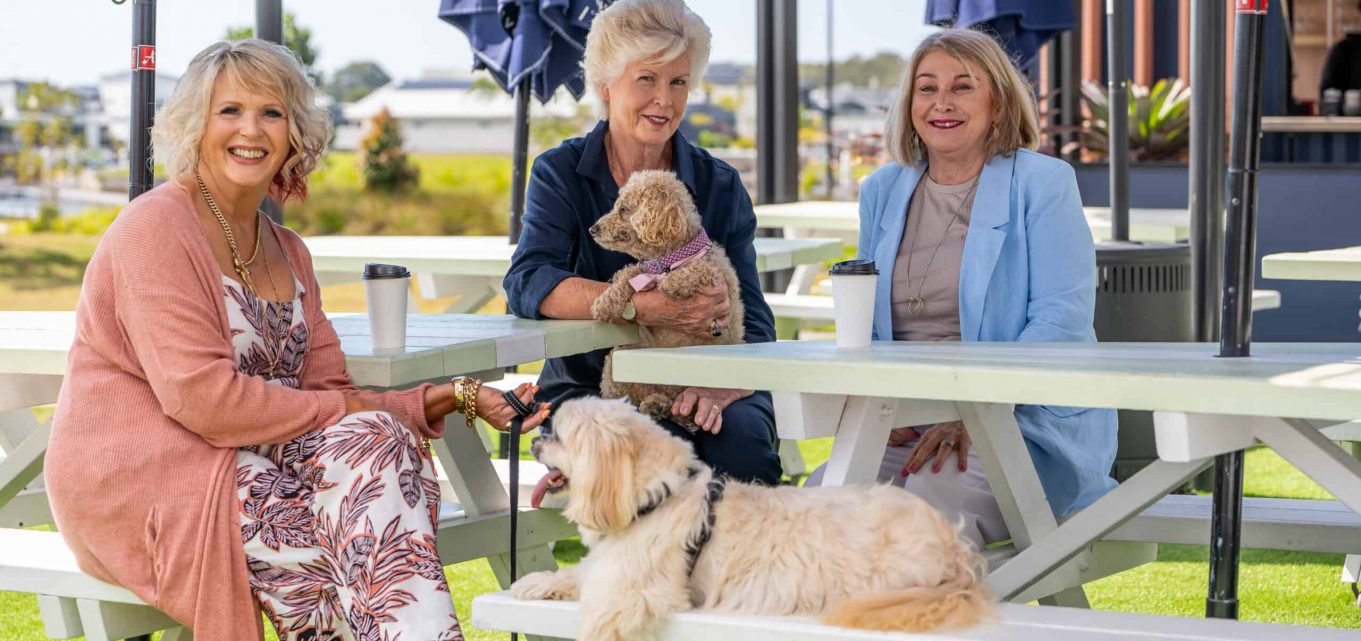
column 339, row 523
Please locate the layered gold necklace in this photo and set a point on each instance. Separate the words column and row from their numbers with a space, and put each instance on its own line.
column 242, row 267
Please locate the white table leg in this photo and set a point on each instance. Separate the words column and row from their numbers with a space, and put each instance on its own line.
column 22, row 465
column 1069, row 539
column 860, row 441
column 1011, row 474
column 1305, row 447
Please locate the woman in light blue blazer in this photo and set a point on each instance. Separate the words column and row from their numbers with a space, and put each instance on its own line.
column 978, row 238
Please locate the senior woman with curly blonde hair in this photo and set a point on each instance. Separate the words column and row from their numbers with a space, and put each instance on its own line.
column 642, row 59
column 209, row 452
column 979, row 238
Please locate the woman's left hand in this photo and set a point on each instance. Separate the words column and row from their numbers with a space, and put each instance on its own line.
column 935, row 447
column 494, row 409
column 706, row 404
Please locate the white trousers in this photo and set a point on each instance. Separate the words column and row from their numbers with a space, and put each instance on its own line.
column 964, row 497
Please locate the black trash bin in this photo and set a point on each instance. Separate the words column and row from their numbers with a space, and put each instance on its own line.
column 1143, row 294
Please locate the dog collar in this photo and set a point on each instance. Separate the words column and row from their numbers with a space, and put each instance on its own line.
column 655, row 268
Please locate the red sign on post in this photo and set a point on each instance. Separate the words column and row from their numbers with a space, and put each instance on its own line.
column 144, row 58
column 1251, row 6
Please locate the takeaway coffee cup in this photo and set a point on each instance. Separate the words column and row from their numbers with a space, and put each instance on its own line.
column 386, row 289
column 853, row 301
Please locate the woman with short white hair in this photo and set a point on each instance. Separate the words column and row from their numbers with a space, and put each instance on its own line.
column 643, row 57
column 209, row 452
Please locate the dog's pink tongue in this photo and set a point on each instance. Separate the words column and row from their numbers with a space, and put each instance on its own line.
column 542, row 488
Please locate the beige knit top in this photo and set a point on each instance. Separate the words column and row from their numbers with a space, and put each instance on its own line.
column 925, row 293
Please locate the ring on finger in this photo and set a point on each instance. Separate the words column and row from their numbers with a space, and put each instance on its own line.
column 948, row 443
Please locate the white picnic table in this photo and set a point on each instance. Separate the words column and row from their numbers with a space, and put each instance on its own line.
column 1203, row 406
column 1343, row 264
column 811, row 217
column 472, row 267
column 33, row 348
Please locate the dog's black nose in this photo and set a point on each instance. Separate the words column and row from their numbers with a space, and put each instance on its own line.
column 595, row 229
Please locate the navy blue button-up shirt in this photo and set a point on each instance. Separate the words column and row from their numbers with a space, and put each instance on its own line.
column 570, row 188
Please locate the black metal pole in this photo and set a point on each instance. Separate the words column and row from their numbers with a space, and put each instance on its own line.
column 269, row 25
column 827, row 115
column 1207, row 164
column 519, row 160
column 141, row 163
column 1070, row 87
column 1236, row 318
column 269, row 20
column 1117, row 126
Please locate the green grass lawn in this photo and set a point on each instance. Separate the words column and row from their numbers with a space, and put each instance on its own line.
column 43, row 272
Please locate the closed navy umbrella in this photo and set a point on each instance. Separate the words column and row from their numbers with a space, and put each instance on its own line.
column 1021, row 26
column 529, row 47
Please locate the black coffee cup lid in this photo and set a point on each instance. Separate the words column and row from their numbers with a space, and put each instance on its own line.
column 379, row 270
column 854, row 268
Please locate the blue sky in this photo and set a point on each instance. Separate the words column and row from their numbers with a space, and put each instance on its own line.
column 76, row 41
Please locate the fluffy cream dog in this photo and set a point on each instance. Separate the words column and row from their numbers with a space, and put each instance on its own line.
column 655, row 220
column 665, row 537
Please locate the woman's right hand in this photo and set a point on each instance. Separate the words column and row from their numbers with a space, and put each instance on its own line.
column 694, row 315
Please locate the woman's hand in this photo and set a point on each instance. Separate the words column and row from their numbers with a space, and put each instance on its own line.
column 706, row 404
column 694, row 315
column 935, row 447
column 901, row 435
column 494, row 409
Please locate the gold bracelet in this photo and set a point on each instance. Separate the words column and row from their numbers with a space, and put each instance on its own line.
column 471, row 388
column 457, row 384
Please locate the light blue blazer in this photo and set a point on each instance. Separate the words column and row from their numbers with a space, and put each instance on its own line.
column 1028, row 273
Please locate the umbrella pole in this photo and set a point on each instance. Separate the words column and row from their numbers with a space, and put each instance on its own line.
column 1117, row 128
column 519, row 160
column 141, row 165
column 1239, row 270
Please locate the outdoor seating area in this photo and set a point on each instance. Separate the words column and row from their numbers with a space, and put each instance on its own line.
column 1028, row 319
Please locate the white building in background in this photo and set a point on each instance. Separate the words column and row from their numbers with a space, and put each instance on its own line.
column 446, row 115
column 115, row 97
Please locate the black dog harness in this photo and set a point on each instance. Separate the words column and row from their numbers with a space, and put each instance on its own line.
column 694, row 544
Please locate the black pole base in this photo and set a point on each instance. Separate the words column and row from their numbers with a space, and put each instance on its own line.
column 1221, row 608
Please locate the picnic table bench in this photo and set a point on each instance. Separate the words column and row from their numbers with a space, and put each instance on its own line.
column 33, row 348
column 1014, row 622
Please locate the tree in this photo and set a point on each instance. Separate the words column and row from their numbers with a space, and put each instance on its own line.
column 296, row 38
column 382, row 161
column 46, row 134
column 883, row 69
column 356, row 80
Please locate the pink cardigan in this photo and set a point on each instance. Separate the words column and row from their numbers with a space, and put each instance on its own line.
column 141, row 466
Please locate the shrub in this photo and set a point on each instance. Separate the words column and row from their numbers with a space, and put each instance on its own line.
column 384, row 162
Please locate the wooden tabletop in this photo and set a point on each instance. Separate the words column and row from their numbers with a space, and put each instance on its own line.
column 1301, row 380
column 1342, row 264
column 1146, row 224
column 437, row 345
column 489, row 256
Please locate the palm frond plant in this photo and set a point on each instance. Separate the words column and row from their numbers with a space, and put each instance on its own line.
column 1159, row 120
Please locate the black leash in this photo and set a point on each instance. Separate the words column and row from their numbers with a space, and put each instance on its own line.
column 513, row 458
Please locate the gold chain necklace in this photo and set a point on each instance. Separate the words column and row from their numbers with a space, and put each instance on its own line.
column 242, row 268
column 916, row 304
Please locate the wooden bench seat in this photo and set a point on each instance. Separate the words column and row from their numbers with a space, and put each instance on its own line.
column 71, row 602
column 1275, row 524
column 1014, row 623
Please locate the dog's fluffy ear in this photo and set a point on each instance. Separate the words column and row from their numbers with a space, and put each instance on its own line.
column 666, row 214
column 661, row 224
column 604, row 493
